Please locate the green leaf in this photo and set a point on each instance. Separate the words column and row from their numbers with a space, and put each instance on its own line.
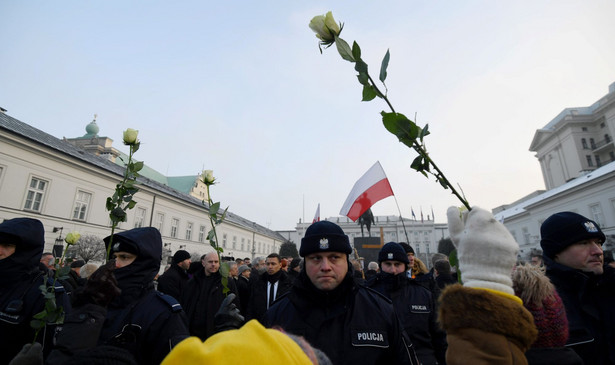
column 131, row 204
column 37, row 324
column 424, row 132
column 63, row 271
column 110, row 204
column 361, row 67
column 384, row 66
column 223, row 215
column 138, row 166
column 369, row 93
column 356, row 51
column 50, row 295
column 400, row 126
column 224, row 269
column 363, row 79
column 214, row 208
column 40, row 315
column 135, row 147
column 417, row 163
column 344, row 49
column 225, row 288
column 211, row 235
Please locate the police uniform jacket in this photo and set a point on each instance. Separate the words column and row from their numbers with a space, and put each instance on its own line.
column 173, row 281
column 351, row 324
column 142, row 320
column 590, row 307
column 20, row 295
column 416, row 309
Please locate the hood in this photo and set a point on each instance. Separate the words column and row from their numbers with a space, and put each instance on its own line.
column 28, row 236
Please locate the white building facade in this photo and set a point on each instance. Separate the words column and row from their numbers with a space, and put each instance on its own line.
column 576, row 154
column 66, row 187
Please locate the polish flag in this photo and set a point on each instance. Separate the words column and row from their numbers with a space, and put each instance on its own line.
column 317, row 215
column 372, row 187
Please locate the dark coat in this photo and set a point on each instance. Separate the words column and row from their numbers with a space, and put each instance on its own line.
column 201, row 300
column 415, row 307
column 258, row 294
column 485, row 328
column 243, row 291
column 142, row 320
column 20, row 295
column 590, row 307
column 173, row 281
column 351, row 324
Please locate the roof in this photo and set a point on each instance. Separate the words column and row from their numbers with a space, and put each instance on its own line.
column 182, row 183
column 35, row 135
column 520, row 208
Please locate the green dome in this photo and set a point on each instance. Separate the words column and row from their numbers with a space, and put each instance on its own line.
column 92, row 128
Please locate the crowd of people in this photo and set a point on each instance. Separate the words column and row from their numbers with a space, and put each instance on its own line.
column 321, row 308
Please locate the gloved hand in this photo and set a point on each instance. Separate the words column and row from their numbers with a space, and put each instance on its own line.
column 101, row 287
column 30, row 354
column 228, row 316
column 487, row 252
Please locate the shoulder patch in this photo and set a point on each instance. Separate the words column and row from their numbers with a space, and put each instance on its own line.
column 170, row 301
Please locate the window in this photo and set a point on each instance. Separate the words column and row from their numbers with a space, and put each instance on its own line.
column 597, row 214
column 584, row 143
column 612, row 155
column 202, row 234
column 234, row 242
column 36, row 192
column 590, row 162
column 174, row 226
column 598, row 163
column 607, row 139
column 82, row 202
column 584, row 129
column 243, row 244
column 189, row 231
column 139, row 217
column 602, row 125
column 592, row 143
column 224, row 240
column 159, row 221
column 526, row 235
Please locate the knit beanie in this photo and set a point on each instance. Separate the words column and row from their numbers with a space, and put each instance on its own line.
column 324, row 236
column 565, row 229
column 242, row 268
column 392, row 251
column 252, row 343
column 180, row 256
column 407, row 247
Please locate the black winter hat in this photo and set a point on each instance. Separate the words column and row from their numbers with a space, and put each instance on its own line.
column 76, row 264
column 407, row 248
column 565, row 229
column 324, row 236
column 393, row 251
column 180, row 256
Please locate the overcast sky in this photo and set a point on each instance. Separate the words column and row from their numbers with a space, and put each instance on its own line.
column 240, row 87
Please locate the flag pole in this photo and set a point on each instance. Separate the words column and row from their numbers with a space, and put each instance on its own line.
column 402, row 220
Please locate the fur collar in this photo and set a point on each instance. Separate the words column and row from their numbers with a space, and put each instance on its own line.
column 462, row 307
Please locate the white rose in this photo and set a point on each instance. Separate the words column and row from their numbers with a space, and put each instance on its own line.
column 208, row 177
column 325, row 27
column 130, row 136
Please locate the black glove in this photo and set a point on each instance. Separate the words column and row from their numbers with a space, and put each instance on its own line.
column 101, row 288
column 30, row 354
column 228, row 316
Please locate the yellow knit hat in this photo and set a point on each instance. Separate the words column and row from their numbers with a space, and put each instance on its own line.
column 252, row 344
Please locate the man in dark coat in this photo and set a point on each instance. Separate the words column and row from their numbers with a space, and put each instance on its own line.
column 351, row 324
column 572, row 252
column 204, row 295
column 21, row 244
column 270, row 286
column 414, row 305
column 174, row 280
column 243, row 287
column 141, row 319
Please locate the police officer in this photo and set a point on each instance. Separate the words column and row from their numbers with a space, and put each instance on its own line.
column 142, row 320
column 413, row 303
column 351, row 324
column 21, row 244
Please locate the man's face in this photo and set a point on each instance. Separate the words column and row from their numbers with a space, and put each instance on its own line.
column 584, row 255
column 273, row 265
column 410, row 258
column 211, row 263
column 185, row 264
column 246, row 262
column 6, row 250
column 536, row 261
column 246, row 273
column 234, row 271
column 123, row 259
column 393, row 267
column 326, row 270
column 48, row 261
